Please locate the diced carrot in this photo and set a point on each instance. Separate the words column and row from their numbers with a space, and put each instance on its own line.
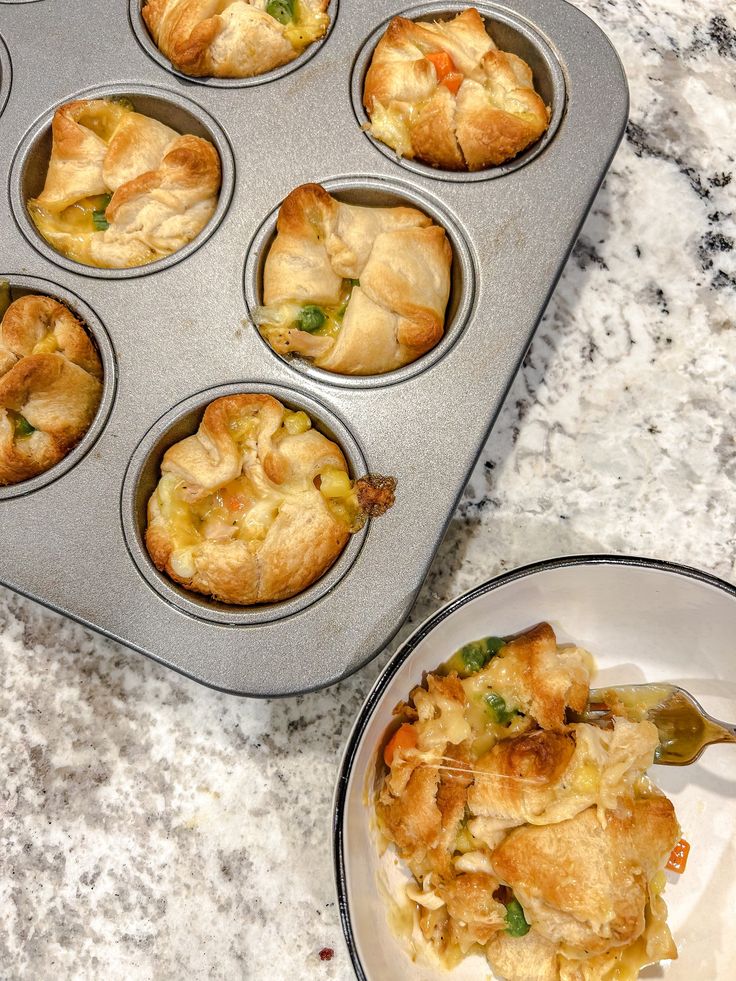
column 233, row 502
column 405, row 737
column 678, row 859
column 443, row 63
column 453, row 81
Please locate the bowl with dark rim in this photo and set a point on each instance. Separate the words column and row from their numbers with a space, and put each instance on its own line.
column 642, row 620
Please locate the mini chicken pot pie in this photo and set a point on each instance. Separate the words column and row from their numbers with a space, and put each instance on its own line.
column 122, row 189
column 444, row 94
column 50, row 384
column 234, row 38
column 533, row 840
column 256, row 505
column 357, row 290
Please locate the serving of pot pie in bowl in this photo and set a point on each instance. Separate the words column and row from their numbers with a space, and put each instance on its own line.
column 256, row 505
column 121, row 189
column 442, row 93
column 50, row 384
column 234, row 39
column 482, row 830
column 355, row 290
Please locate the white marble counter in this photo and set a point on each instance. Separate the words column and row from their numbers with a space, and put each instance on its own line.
column 151, row 828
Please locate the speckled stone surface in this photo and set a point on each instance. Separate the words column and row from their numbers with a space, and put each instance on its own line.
column 152, row 829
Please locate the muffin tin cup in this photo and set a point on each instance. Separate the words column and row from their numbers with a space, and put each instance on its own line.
column 510, row 32
column 23, row 285
column 144, row 472
column 377, row 192
column 142, row 35
column 6, row 75
column 183, row 328
column 30, row 164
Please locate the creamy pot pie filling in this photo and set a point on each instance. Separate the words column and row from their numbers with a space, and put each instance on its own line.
column 535, row 841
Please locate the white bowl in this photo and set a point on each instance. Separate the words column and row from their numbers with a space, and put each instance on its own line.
column 643, row 621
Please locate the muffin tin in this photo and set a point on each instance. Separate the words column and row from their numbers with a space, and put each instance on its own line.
column 180, row 334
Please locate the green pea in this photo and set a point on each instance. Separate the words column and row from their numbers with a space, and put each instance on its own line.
column 474, row 655
column 310, row 318
column 498, row 709
column 354, row 283
column 516, row 925
column 282, row 10
column 98, row 215
column 22, row 426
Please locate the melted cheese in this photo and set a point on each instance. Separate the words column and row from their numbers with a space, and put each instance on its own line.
column 308, row 25
column 392, row 126
column 72, row 229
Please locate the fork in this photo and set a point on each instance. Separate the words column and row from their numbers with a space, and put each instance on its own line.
column 684, row 728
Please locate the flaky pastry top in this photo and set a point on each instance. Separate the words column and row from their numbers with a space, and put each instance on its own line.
column 123, row 189
column 357, row 290
column 234, row 38
column 256, row 505
column 50, row 385
column 443, row 93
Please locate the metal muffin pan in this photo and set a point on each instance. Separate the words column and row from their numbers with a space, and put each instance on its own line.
column 181, row 332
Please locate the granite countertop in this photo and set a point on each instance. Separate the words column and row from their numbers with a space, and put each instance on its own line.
column 151, row 828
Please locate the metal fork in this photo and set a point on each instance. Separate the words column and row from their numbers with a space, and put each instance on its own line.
column 684, row 728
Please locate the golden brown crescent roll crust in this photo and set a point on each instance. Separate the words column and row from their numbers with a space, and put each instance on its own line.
column 254, row 507
column 584, row 882
column 445, row 94
column 379, row 279
column 50, row 386
column 234, row 38
column 123, row 189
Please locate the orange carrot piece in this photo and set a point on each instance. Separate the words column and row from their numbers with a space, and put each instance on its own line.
column 443, row 63
column 678, row 859
column 453, row 81
column 405, row 737
column 233, row 502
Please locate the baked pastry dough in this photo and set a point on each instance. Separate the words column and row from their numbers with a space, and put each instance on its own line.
column 123, row 189
column 583, row 883
column 443, row 93
column 50, row 385
column 234, row 38
column 540, row 840
column 256, row 505
column 357, row 290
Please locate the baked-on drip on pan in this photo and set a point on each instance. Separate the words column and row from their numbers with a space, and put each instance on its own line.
column 50, row 384
column 256, row 505
column 538, row 843
column 443, row 93
column 234, row 38
column 122, row 189
column 356, row 290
